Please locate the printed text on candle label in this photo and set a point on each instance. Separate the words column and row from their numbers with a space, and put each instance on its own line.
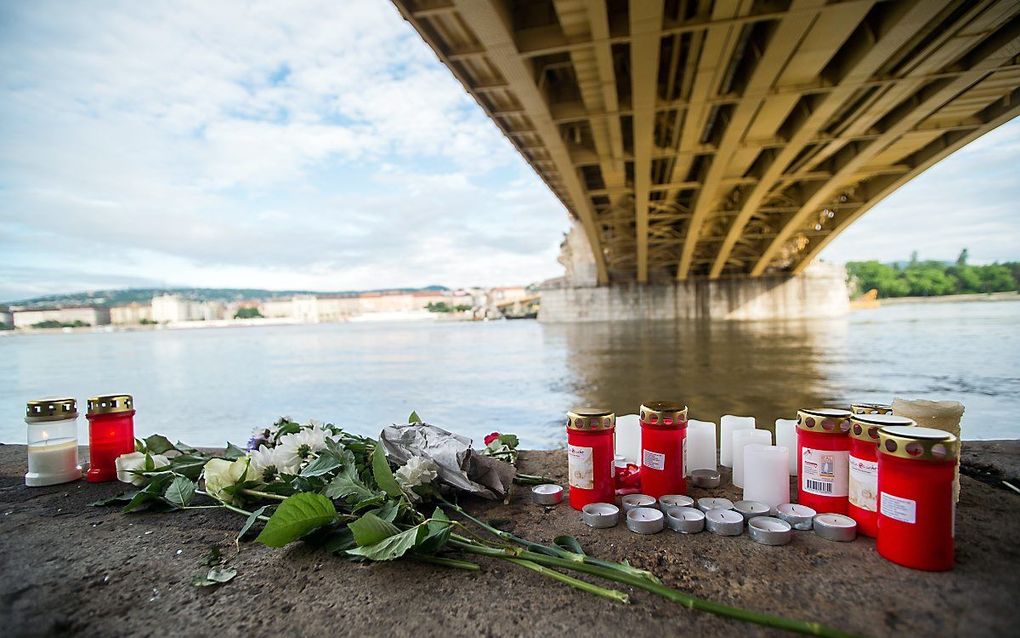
column 824, row 472
column 900, row 509
column 654, row 460
column 580, row 467
column 863, row 483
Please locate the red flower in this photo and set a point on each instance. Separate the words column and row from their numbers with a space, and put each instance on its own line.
column 491, row 437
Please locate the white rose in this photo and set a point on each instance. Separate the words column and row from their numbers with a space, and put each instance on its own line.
column 129, row 464
column 417, row 471
column 221, row 474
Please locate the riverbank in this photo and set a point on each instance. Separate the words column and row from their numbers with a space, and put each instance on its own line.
column 990, row 296
column 85, row 570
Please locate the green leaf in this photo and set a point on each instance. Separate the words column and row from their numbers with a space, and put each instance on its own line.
column 139, row 445
column 158, row 444
column 368, row 502
column 232, row 453
column 216, row 576
column 180, row 492
column 213, row 558
column 286, row 427
column 391, row 547
column 437, row 533
column 124, row 497
column 510, row 440
column 325, row 464
column 254, row 516
column 370, row 529
column 184, row 448
column 387, row 511
column 295, row 517
column 414, row 418
column 569, row 543
column 383, row 474
column 189, row 465
column 151, row 492
column 346, row 487
column 339, row 541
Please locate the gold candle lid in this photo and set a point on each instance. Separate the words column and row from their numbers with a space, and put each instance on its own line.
column 589, row 419
column 866, row 426
column 824, row 420
column 51, row 409
column 871, row 408
column 917, row 443
column 664, row 414
column 110, row 404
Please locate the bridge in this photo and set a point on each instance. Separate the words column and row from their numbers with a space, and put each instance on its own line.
column 701, row 139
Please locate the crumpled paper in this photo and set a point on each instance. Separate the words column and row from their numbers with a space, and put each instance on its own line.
column 459, row 465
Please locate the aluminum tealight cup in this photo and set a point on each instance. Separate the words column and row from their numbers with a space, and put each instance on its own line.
column 724, row 522
column 547, row 494
column 714, row 503
column 645, row 520
column 835, row 527
column 750, row 509
column 632, row 501
column 706, row 478
column 769, row 531
column 800, row 517
column 686, row 520
column 600, row 515
column 675, row 500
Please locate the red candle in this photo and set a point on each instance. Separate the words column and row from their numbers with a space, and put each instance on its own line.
column 111, row 433
column 663, row 448
column 916, row 510
column 862, row 503
column 823, row 450
column 591, row 451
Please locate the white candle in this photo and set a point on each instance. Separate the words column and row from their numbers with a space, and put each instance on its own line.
column 835, row 527
column 645, row 520
column 52, row 461
column 714, row 503
column 750, row 509
column 741, row 439
column 797, row 515
column 724, row 522
column 675, row 500
column 769, row 531
column 766, row 476
column 686, row 520
column 547, row 494
column 701, row 446
column 786, row 436
column 628, row 437
column 727, row 426
column 600, row 515
column 634, row 501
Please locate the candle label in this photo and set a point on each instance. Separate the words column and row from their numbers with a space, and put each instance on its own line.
column 863, row 483
column 825, row 472
column 654, row 460
column 900, row 509
column 684, row 455
column 580, row 467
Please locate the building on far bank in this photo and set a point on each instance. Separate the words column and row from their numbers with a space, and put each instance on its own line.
column 6, row 318
column 130, row 314
column 88, row 315
column 174, row 308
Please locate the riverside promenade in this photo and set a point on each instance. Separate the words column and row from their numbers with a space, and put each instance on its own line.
column 72, row 569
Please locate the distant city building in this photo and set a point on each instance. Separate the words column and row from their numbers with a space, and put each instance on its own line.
column 6, row 318
column 132, row 313
column 90, row 315
column 173, row 308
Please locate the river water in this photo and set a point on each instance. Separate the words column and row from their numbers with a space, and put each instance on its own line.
column 205, row 386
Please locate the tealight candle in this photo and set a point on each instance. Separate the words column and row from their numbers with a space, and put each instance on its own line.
column 724, row 522
column 769, row 531
column 799, row 516
column 686, row 520
column 645, row 520
column 708, row 503
column 835, row 527
column 701, row 447
column 600, row 515
column 786, row 436
column 634, row 501
column 52, row 441
column 766, row 474
column 706, row 478
column 750, row 509
column 727, row 426
column 547, row 494
column 675, row 500
column 742, row 438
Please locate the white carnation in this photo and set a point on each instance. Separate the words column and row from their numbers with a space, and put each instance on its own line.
column 417, row 471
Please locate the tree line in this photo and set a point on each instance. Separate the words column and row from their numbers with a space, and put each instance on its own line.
column 930, row 278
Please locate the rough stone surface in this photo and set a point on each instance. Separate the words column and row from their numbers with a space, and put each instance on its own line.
column 73, row 569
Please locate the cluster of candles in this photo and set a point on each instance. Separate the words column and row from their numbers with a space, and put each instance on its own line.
column 863, row 469
column 52, row 424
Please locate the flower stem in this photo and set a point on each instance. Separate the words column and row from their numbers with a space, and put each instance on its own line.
column 446, row 562
column 799, row 626
column 611, row 594
column 266, row 495
column 531, row 479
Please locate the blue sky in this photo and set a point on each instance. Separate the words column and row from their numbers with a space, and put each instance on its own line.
column 318, row 145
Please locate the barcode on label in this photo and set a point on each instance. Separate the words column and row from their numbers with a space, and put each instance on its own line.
column 821, row 486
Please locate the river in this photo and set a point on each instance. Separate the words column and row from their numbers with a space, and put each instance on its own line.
column 205, row 386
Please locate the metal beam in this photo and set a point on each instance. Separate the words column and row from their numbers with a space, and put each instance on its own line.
column 645, row 25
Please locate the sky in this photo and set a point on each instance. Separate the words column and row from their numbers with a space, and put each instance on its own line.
column 321, row 146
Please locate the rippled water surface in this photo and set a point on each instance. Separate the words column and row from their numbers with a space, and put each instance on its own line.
column 204, row 386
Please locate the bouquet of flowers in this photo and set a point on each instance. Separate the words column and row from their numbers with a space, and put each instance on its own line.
column 364, row 499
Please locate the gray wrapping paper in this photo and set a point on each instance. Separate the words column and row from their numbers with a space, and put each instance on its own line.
column 459, row 465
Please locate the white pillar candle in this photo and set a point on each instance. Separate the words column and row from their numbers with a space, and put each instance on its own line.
column 628, row 437
column 766, row 476
column 741, row 439
column 727, row 426
column 786, row 436
column 701, row 447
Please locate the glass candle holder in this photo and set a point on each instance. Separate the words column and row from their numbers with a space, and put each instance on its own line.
column 663, row 448
column 823, row 464
column 862, row 503
column 590, row 456
column 111, row 433
column 52, row 441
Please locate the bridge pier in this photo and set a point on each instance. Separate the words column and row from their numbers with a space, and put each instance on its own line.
column 817, row 293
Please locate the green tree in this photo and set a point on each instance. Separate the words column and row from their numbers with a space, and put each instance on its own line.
column 962, row 259
column 996, row 278
column 248, row 313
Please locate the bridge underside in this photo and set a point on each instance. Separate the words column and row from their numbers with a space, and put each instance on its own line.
column 701, row 138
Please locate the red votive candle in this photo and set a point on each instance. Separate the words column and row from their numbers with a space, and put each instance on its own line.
column 591, row 452
column 862, row 500
column 916, row 510
column 663, row 448
column 111, row 433
column 823, row 451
